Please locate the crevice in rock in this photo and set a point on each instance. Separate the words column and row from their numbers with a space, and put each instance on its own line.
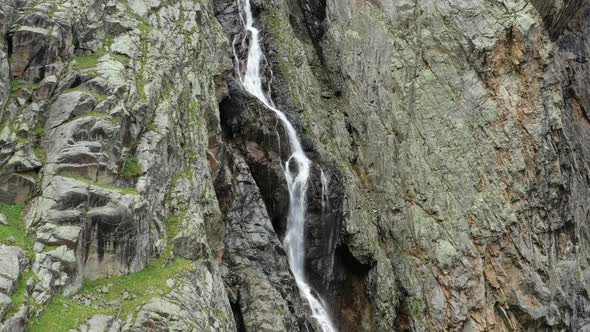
column 527, row 323
column 331, row 269
column 352, row 305
column 557, row 15
column 253, row 131
column 307, row 20
column 238, row 317
column 314, row 14
column 9, row 45
column 403, row 313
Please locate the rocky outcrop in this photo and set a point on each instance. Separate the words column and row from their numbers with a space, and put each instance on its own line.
column 256, row 268
column 12, row 265
column 455, row 128
column 107, row 111
column 448, row 188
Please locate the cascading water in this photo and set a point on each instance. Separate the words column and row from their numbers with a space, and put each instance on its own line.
column 297, row 169
column 324, row 189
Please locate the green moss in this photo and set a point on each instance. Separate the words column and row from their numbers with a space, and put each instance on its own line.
column 20, row 292
column 16, row 85
column 15, row 228
column 153, row 127
column 144, row 27
column 39, row 130
column 121, row 58
column 40, row 153
column 140, row 86
column 49, row 248
column 108, row 41
column 173, row 227
column 142, row 284
column 87, row 61
column 220, row 314
column 21, row 137
column 64, row 314
column 132, row 168
column 416, row 308
column 125, row 191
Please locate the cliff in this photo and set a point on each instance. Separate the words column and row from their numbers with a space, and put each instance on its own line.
column 142, row 187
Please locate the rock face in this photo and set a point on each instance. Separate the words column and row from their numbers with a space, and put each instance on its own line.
column 449, row 186
column 459, row 129
column 107, row 109
column 12, row 265
column 257, row 270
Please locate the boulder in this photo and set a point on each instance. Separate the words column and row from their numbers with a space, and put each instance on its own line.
column 69, row 105
column 12, row 265
column 5, row 304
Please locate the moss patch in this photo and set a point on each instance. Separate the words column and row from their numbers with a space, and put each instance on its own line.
column 49, row 248
column 38, row 131
column 87, row 61
column 144, row 28
column 64, row 314
column 40, row 153
column 15, row 228
column 19, row 296
column 153, row 127
column 132, row 169
column 16, row 85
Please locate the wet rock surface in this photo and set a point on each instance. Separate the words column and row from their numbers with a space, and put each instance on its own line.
column 256, row 270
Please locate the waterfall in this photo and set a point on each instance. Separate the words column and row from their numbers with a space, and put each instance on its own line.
column 297, row 170
column 325, row 196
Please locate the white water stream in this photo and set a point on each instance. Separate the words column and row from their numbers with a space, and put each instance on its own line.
column 297, row 170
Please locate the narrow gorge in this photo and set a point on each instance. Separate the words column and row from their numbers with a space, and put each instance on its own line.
column 296, row 170
column 294, row 165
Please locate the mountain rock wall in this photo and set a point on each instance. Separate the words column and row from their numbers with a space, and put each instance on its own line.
column 143, row 189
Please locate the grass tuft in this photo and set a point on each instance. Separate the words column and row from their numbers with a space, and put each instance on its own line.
column 16, row 85
column 15, row 228
column 87, row 61
column 20, row 293
column 64, row 314
column 132, row 169
column 40, row 153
